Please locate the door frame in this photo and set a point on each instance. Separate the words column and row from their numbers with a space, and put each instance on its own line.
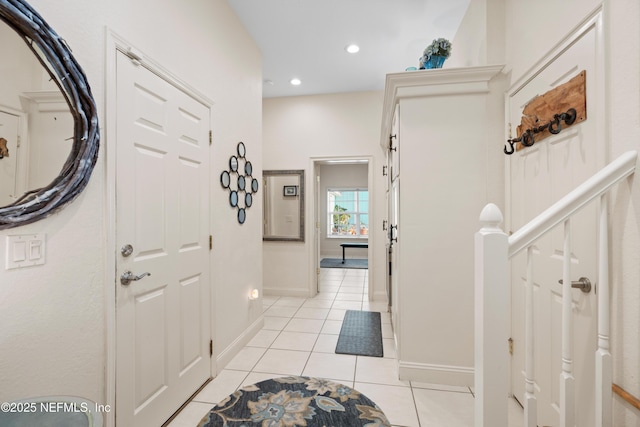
column 114, row 44
column 592, row 22
column 22, row 160
column 314, row 258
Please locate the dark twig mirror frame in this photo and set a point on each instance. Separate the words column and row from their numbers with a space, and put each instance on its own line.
column 56, row 57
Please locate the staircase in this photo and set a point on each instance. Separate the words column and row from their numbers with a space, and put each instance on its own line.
column 493, row 250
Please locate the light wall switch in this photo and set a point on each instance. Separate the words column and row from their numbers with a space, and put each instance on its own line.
column 19, row 251
column 35, row 250
column 25, row 250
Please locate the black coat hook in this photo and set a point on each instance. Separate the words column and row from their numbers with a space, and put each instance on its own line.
column 527, row 138
column 509, row 151
column 554, row 126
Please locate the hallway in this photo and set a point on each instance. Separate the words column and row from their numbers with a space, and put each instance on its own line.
column 299, row 338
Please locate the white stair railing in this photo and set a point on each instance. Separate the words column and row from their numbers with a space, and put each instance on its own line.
column 493, row 249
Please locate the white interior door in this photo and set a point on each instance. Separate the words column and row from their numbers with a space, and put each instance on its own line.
column 162, row 212
column 539, row 176
column 8, row 164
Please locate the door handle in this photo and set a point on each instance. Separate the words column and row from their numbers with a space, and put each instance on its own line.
column 583, row 284
column 127, row 277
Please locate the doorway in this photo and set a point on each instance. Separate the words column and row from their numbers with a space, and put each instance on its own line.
column 346, row 184
column 11, row 167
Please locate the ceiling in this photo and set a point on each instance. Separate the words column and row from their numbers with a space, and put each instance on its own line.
column 307, row 39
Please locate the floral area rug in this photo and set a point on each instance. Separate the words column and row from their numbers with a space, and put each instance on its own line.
column 295, row 401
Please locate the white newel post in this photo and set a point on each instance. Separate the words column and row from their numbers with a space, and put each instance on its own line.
column 491, row 320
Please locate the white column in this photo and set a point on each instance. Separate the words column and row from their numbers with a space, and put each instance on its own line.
column 530, row 402
column 491, row 321
column 604, row 364
column 567, row 381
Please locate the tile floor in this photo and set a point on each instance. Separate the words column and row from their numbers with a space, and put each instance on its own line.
column 299, row 338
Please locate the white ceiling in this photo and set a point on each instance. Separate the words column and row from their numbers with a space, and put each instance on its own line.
column 306, row 39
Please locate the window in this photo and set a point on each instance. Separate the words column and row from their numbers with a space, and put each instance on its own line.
column 348, row 213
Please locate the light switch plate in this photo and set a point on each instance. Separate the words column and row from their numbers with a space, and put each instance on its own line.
column 25, row 250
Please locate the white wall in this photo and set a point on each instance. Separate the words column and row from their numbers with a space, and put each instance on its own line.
column 339, row 176
column 299, row 128
column 53, row 316
column 533, row 28
column 480, row 39
column 22, row 73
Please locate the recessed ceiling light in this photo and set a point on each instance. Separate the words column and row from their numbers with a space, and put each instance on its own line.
column 295, row 81
column 352, row 48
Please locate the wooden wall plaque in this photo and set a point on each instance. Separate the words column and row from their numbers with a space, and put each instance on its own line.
column 541, row 109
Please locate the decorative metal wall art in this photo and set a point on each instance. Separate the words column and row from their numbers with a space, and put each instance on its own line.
column 240, row 182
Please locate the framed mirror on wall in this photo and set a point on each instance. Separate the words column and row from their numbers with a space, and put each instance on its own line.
column 283, row 193
column 48, row 119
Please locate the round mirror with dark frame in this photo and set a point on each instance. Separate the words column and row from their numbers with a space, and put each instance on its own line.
column 225, row 179
column 233, row 163
column 242, row 151
column 54, row 55
column 248, row 168
column 233, row 199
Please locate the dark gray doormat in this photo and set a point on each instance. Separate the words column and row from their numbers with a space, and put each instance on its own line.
column 361, row 334
column 348, row 263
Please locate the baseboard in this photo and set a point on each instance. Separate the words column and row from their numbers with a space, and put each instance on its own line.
column 380, row 296
column 436, row 374
column 278, row 292
column 225, row 356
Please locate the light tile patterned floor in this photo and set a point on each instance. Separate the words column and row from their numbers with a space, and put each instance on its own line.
column 299, row 338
